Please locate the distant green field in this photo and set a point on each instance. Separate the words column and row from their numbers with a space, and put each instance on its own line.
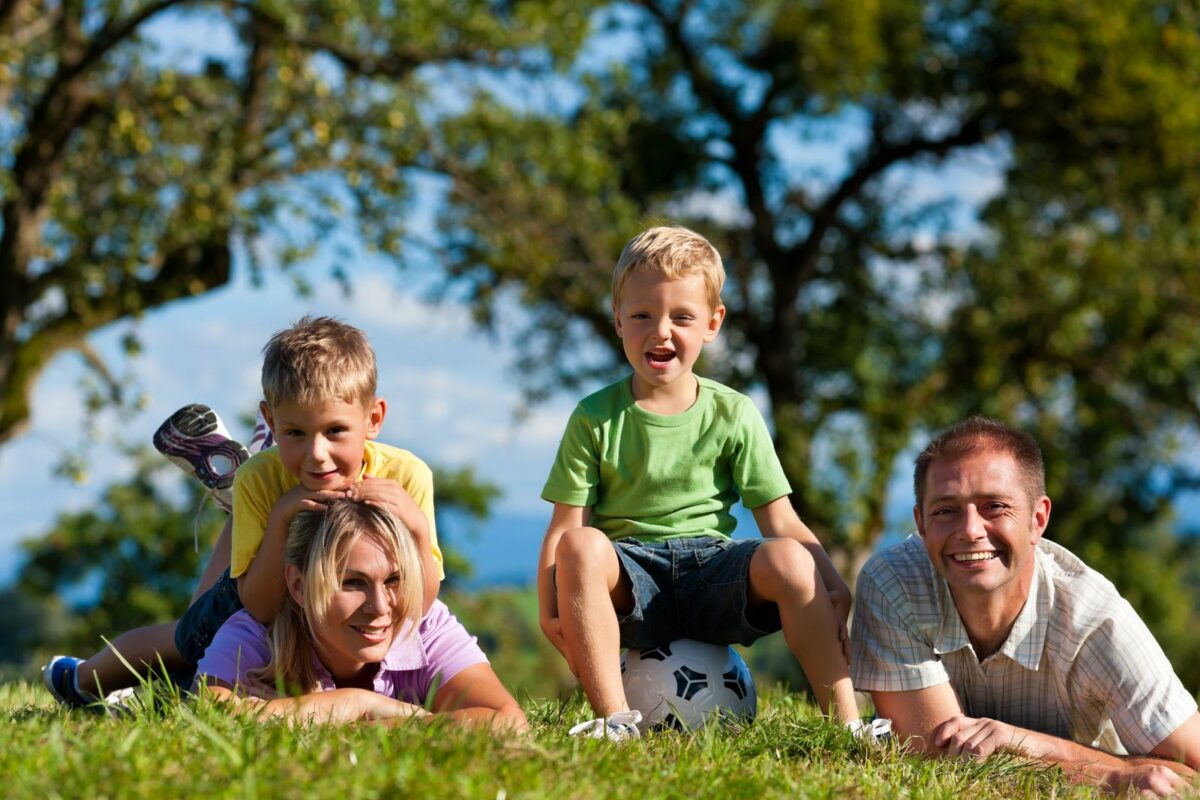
column 195, row 749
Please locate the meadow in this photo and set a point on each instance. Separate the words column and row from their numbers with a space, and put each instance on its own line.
column 196, row 749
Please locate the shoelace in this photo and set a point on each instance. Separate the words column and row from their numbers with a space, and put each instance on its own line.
column 875, row 730
column 619, row 726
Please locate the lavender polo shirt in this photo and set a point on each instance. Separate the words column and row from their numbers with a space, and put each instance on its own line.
column 441, row 650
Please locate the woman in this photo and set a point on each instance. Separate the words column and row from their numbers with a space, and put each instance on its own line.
column 350, row 643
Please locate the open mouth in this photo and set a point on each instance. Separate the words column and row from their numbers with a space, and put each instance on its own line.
column 372, row 633
column 660, row 358
column 975, row 557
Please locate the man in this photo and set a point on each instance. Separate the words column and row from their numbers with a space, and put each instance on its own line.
column 980, row 636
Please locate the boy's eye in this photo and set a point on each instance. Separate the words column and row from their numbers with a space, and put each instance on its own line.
column 292, row 434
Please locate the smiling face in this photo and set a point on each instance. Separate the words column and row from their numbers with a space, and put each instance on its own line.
column 980, row 528
column 322, row 445
column 663, row 325
column 358, row 627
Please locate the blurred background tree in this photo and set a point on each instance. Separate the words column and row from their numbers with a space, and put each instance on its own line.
column 927, row 209
column 127, row 179
column 868, row 306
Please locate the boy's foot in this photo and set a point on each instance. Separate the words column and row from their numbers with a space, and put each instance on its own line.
column 262, row 438
column 875, row 730
column 618, row 727
column 59, row 677
column 196, row 440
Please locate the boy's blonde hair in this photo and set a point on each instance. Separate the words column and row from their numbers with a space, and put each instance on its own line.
column 673, row 252
column 318, row 545
column 316, row 361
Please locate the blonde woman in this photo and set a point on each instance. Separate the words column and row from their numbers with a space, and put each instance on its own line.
column 350, row 643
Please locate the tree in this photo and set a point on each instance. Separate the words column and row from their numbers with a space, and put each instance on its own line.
column 870, row 309
column 128, row 179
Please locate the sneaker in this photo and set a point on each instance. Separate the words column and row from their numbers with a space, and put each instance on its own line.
column 875, row 730
column 59, row 677
column 196, row 440
column 262, row 438
column 619, row 727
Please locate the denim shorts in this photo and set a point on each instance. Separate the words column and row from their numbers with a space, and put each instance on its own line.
column 692, row 588
column 200, row 623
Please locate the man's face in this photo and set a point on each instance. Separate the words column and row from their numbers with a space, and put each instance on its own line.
column 980, row 527
column 322, row 446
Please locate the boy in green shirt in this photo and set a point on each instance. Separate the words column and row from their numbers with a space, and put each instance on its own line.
column 638, row 551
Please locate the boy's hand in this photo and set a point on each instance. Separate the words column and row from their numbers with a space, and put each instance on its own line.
column 552, row 628
column 384, row 492
column 298, row 499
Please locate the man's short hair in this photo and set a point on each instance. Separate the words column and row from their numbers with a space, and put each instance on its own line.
column 672, row 252
column 318, row 360
column 980, row 434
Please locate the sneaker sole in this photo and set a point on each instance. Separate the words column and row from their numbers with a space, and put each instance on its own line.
column 195, row 440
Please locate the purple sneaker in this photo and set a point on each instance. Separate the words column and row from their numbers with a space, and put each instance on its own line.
column 196, row 440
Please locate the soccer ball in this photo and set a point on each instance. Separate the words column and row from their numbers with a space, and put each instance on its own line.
column 687, row 684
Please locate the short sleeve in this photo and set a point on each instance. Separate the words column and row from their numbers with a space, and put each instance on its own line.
column 1122, row 668
column 754, row 464
column 253, row 498
column 449, row 648
column 887, row 652
column 575, row 477
column 239, row 647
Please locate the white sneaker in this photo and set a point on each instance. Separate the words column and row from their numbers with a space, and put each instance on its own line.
column 876, row 730
column 618, row 727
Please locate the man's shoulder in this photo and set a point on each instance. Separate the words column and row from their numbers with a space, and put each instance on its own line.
column 1080, row 596
column 906, row 560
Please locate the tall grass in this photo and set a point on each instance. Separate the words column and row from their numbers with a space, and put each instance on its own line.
column 171, row 748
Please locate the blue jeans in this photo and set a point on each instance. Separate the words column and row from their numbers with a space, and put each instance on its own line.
column 200, row 623
column 692, row 588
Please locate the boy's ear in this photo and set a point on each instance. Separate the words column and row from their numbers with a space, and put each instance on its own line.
column 375, row 414
column 714, row 323
column 294, row 579
column 265, row 410
column 616, row 321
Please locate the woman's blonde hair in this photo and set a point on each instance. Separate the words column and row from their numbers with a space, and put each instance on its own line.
column 318, row 545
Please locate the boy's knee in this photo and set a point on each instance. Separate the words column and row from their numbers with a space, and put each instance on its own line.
column 582, row 549
column 784, row 562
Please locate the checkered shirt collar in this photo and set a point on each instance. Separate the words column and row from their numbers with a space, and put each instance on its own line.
column 1025, row 641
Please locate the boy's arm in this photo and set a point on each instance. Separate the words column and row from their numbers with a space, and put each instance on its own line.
column 387, row 492
column 778, row 519
column 261, row 587
column 564, row 518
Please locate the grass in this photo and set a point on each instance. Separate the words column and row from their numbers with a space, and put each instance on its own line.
column 195, row 749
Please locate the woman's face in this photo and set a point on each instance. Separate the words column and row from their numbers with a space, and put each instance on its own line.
column 359, row 625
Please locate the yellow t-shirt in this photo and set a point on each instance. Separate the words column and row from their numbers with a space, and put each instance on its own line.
column 263, row 480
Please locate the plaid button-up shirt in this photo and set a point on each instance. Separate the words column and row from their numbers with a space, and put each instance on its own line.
column 1078, row 664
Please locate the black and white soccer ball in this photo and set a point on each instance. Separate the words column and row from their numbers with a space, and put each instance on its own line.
column 687, row 684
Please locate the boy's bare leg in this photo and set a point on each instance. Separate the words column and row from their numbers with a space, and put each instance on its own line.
column 590, row 590
column 218, row 561
column 783, row 572
column 141, row 647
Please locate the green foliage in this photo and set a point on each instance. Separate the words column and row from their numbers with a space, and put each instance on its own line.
column 127, row 562
column 130, row 174
column 787, row 752
column 868, row 308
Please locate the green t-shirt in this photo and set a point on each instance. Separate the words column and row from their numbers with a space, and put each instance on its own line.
column 658, row 477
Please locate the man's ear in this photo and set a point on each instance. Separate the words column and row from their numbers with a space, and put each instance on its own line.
column 1041, row 518
column 375, row 414
column 294, row 579
column 917, row 519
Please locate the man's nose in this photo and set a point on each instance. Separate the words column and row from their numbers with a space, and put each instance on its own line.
column 973, row 526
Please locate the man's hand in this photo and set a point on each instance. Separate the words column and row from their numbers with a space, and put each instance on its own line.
column 978, row 738
column 1147, row 780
